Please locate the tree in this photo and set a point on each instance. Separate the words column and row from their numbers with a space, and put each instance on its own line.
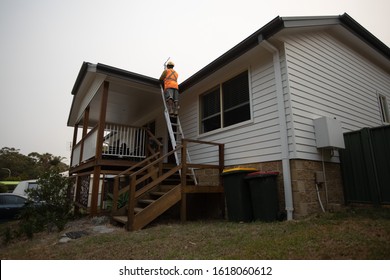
column 28, row 167
column 22, row 167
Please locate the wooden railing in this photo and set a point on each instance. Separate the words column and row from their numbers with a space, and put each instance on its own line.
column 188, row 165
column 85, row 148
column 119, row 141
column 124, row 141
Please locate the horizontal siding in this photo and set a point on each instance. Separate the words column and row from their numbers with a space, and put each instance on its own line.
column 327, row 78
column 252, row 141
column 321, row 77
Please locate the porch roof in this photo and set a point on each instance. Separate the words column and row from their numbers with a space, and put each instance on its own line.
column 131, row 95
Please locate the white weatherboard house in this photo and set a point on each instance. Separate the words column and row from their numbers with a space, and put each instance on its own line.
column 278, row 101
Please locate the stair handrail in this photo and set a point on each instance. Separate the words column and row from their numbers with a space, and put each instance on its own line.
column 154, row 139
column 133, row 194
column 116, row 191
column 160, row 159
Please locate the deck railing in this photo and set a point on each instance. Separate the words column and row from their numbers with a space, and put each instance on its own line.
column 124, row 141
column 119, row 141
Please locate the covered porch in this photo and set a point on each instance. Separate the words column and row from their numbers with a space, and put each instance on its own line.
column 110, row 113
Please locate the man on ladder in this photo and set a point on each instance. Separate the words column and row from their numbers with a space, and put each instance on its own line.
column 171, row 88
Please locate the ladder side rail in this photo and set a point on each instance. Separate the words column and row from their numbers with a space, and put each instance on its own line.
column 169, row 125
column 186, row 151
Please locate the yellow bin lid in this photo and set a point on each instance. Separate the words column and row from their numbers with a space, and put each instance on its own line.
column 239, row 169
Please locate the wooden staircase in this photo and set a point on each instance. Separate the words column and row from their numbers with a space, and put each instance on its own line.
column 153, row 188
column 149, row 209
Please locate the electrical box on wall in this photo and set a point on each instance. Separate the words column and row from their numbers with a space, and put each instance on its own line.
column 329, row 133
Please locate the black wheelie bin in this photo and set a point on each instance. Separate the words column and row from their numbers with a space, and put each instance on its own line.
column 264, row 195
column 237, row 194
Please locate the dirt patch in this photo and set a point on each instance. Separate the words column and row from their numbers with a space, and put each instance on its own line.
column 86, row 226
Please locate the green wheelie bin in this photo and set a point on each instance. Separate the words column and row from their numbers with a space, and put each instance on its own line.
column 264, row 195
column 237, row 194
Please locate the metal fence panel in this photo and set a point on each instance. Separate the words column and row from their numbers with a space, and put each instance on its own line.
column 365, row 164
column 380, row 139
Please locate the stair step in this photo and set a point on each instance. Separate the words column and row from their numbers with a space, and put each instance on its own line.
column 157, row 193
column 146, row 201
column 120, row 219
column 137, row 210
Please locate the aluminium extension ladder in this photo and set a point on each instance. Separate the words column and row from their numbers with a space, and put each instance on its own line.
column 175, row 134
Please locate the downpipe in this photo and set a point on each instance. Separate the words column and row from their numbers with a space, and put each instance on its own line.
column 283, row 128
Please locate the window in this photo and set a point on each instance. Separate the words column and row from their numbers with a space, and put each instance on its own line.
column 32, row 186
column 384, row 109
column 226, row 105
column 211, row 110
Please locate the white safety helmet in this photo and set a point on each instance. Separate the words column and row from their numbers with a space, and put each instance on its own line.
column 170, row 63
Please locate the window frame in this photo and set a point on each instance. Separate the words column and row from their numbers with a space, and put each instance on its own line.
column 383, row 108
column 222, row 110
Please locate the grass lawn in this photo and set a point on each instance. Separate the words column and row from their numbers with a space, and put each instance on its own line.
column 362, row 234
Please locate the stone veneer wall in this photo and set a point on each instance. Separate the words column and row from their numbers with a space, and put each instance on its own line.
column 304, row 188
column 305, row 198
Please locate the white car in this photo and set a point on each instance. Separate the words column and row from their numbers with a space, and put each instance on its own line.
column 25, row 185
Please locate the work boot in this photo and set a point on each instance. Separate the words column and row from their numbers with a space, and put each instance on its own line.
column 176, row 108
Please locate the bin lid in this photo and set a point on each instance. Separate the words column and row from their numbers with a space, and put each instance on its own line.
column 228, row 171
column 261, row 174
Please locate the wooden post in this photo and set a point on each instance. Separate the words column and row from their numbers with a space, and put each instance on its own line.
column 99, row 149
column 95, row 190
column 102, row 121
column 131, row 204
column 76, row 128
column 115, row 194
column 85, row 130
column 77, row 198
column 221, row 148
column 183, row 207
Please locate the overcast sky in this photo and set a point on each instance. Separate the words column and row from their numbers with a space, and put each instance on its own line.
column 44, row 43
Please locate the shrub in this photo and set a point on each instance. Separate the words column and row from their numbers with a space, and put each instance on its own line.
column 53, row 208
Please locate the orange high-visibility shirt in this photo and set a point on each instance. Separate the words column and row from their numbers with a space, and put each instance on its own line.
column 170, row 79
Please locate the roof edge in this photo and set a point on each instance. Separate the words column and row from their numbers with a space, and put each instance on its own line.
column 266, row 31
column 113, row 71
column 80, row 77
column 273, row 27
column 348, row 22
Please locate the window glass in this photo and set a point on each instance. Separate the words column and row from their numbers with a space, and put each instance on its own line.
column 236, row 100
column 211, row 111
column 234, row 97
column 32, row 186
column 11, row 199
